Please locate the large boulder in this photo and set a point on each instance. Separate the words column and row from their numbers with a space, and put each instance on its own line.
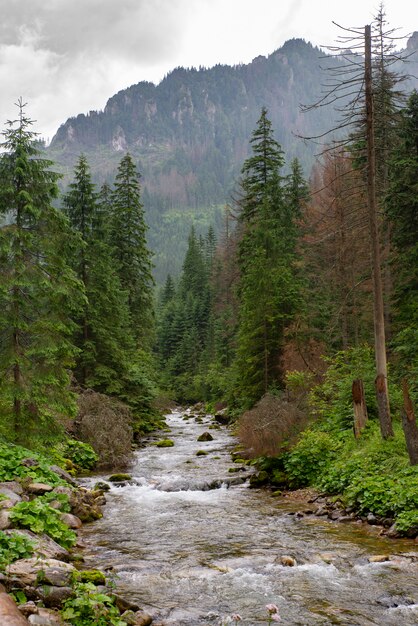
column 33, row 570
column 44, row 546
column 85, row 506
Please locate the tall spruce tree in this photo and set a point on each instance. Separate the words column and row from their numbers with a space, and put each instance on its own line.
column 268, row 287
column 128, row 232
column 104, row 334
column 36, row 287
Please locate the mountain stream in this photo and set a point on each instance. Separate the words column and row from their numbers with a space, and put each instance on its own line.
column 191, row 548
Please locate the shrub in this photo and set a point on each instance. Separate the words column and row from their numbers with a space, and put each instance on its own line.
column 14, row 547
column 309, row 458
column 105, row 424
column 271, row 426
column 81, row 454
column 91, row 607
column 39, row 517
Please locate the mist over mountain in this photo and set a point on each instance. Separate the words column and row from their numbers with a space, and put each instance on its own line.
column 189, row 135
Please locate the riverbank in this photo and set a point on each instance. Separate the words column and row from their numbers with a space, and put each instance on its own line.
column 42, row 510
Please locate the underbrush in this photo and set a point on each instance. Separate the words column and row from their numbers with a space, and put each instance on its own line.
column 371, row 475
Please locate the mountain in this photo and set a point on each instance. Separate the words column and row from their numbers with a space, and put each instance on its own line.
column 189, row 135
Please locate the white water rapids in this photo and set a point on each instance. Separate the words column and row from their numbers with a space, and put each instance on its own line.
column 192, row 556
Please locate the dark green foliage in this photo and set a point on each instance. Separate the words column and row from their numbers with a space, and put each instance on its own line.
column 11, row 467
column 36, row 289
column 14, row 547
column 402, row 211
column 81, row 454
column 128, row 240
column 91, row 607
column 39, row 517
column 269, row 290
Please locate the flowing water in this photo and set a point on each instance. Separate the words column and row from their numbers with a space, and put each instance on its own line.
column 192, row 554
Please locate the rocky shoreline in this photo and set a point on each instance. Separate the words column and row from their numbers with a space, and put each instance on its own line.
column 41, row 584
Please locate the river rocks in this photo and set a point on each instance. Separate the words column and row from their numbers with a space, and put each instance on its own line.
column 140, row 618
column 38, row 489
column 46, row 617
column 379, row 558
column 5, row 519
column 165, row 443
column 54, row 597
column 119, row 478
column 72, row 521
column 64, row 475
column 259, row 479
column 45, row 547
column 124, row 604
column 201, row 453
column 85, row 506
column 205, row 437
column 288, row 561
column 30, row 571
column 223, row 419
column 101, row 486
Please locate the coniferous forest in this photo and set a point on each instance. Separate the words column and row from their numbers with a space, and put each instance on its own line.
column 295, row 321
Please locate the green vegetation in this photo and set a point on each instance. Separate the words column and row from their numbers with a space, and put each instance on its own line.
column 14, row 547
column 91, row 607
column 81, row 454
column 13, row 466
column 39, row 517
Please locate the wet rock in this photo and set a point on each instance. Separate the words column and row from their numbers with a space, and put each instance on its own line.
column 140, row 618
column 391, row 602
column 223, row 419
column 101, row 486
column 28, row 608
column 84, row 505
column 379, row 558
column 28, row 571
column 5, row 519
column 205, row 437
column 46, row 617
column 201, row 453
column 64, row 475
column 259, row 479
column 321, row 511
column 393, row 532
column 39, row 489
column 334, row 515
column 288, row 561
column 372, row 519
column 72, row 521
column 125, row 605
column 54, row 597
column 118, row 478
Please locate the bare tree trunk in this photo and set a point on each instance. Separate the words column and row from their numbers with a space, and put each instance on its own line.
column 409, row 425
column 360, row 408
column 379, row 320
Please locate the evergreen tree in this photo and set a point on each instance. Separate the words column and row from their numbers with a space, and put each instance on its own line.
column 104, row 337
column 36, row 287
column 268, row 287
column 130, row 248
column 402, row 211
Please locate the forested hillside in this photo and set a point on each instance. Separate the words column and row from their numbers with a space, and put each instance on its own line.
column 189, row 134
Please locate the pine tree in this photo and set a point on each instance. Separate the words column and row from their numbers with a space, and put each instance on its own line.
column 402, row 211
column 104, row 337
column 268, row 287
column 133, row 257
column 36, row 287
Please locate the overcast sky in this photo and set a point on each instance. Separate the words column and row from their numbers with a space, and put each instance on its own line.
column 66, row 57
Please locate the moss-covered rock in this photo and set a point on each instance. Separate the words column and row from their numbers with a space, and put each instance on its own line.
column 259, row 479
column 94, row 576
column 119, row 478
column 165, row 443
column 201, row 453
